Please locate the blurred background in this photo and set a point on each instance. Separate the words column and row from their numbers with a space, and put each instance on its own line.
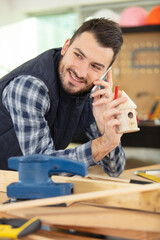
column 29, row 27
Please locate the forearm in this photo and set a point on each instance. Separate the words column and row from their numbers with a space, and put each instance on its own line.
column 99, row 148
column 80, row 153
column 114, row 163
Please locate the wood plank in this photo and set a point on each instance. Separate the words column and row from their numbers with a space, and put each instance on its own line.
column 131, row 234
column 84, row 185
column 151, row 190
column 7, row 177
column 142, row 201
column 46, row 235
column 108, row 221
column 3, row 197
column 136, row 200
column 132, row 231
column 112, row 179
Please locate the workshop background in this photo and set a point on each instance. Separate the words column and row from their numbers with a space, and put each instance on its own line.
column 29, row 27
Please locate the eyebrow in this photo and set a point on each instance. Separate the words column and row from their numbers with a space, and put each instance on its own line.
column 98, row 64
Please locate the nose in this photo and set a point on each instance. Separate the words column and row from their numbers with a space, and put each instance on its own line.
column 82, row 70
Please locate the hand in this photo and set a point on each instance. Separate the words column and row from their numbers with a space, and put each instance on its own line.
column 110, row 137
column 106, row 91
column 105, row 112
column 101, row 97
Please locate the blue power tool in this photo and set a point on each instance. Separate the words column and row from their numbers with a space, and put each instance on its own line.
column 35, row 173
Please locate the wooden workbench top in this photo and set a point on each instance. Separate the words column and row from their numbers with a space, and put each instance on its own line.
column 96, row 217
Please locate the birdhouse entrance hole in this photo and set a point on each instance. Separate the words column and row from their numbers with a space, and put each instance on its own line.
column 130, row 115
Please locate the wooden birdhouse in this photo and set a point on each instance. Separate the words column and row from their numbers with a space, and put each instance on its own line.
column 128, row 116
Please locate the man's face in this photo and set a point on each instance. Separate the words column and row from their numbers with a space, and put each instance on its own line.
column 83, row 62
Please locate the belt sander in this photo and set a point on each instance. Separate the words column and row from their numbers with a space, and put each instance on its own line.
column 35, row 173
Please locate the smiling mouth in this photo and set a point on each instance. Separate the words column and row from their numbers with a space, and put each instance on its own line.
column 75, row 79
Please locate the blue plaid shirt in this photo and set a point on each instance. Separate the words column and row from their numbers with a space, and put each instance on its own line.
column 28, row 101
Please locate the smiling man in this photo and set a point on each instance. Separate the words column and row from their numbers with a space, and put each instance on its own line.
column 47, row 100
column 82, row 63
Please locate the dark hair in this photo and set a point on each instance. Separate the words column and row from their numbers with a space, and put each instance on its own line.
column 107, row 33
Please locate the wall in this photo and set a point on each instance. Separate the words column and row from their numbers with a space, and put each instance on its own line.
column 8, row 14
column 16, row 10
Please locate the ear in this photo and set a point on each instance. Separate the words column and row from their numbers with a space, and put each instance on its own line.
column 65, row 46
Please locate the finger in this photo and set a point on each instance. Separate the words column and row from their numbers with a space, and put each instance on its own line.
column 113, row 123
column 103, row 93
column 111, row 114
column 95, row 96
column 100, row 101
column 102, row 83
column 109, row 78
column 118, row 101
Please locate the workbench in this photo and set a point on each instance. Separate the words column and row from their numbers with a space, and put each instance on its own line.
column 109, row 216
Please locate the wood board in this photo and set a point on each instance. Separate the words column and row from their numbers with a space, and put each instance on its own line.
column 100, row 192
column 47, row 235
column 8, row 177
column 140, row 225
column 107, row 221
column 143, row 197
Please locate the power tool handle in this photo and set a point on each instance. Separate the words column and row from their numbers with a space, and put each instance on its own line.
column 49, row 164
column 60, row 165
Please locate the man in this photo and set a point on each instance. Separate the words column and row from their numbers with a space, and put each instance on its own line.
column 46, row 101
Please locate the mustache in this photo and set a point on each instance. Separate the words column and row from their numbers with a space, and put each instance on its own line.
column 73, row 71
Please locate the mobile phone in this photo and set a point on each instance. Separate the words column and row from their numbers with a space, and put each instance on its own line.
column 102, row 78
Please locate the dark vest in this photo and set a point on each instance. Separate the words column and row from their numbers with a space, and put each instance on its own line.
column 67, row 116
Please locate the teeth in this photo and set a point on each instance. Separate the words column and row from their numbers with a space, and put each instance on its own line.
column 74, row 77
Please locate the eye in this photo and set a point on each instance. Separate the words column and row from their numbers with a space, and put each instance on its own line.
column 77, row 55
column 96, row 67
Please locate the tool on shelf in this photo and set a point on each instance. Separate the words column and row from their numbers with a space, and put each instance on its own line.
column 16, row 228
column 35, row 173
column 149, row 174
column 155, row 111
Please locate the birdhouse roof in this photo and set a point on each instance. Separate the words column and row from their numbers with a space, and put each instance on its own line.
column 128, row 104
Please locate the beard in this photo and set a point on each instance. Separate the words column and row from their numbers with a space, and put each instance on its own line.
column 69, row 87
